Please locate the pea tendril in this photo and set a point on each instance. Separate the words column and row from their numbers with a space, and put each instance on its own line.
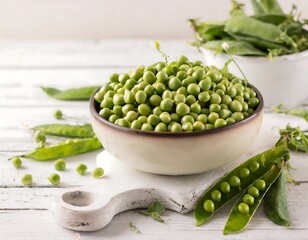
column 158, row 48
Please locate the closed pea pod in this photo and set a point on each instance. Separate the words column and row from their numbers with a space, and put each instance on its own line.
column 240, row 215
column 268, row 157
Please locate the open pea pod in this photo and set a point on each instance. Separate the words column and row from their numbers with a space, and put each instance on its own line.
column 66, row 130
column 243, row 211
column 276, row 201
column 236, row 181
column 63, row 149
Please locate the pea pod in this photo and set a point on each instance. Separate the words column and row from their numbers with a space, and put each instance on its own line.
column 276, row 201
column 66, row 130
column 64, row 149
column 266, row 6
column 275, row 19
column 242, row 212
column 248, row 171
column 83, row 93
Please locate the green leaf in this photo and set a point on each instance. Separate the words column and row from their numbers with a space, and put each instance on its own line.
column 225, row 69
column 298, row 112
column 155, row 210
column 266, row 6
column 276, row 201
column 83, row 93
column 237, row 8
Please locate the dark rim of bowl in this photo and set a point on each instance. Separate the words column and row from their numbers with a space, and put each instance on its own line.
column 95, row 108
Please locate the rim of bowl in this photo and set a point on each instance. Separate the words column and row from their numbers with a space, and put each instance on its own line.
column 294, row 56
column 95, row 107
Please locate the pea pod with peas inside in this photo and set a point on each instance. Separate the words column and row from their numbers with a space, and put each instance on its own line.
column 66, row 130
column 63, row 149
column 236, row 181
column 244, row 209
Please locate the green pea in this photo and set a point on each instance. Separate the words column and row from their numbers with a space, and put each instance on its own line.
column 118, row 99
column 260, row 184
column 17, row 163
column 130, row 84
column 161, row 127
column 149, row 77
column 54, row 179
column 187, row 81
column 220, row 123
column 155, row 100
column 198, row 126
column 215, row 98
column 162, row 76
column 226, row 99
column 121, row 90
column 199, row 73
column 237, row 116
column 179, row 98
column 113, row 118
column 190, row 99
column 40, row 137
column 208, row 206
column 224, row 114
column 107, row 103
column 174, row 83
column 212, row 117
column 205, row 84
column 244, row 173
column 127, row 107
column 216, row 195
column 146, row 127
column 243, row 208
column 143, row 119
column 209, row 126
column 58, row 114
column 157, row 111
column 122, row 122
column 204, row 97
column 117, row 87
column 141, row 96
column 109, row 94
column 220, row 92
column 114, row 77
column 253, row 191
column 98, row 172
column 26, row 180
column 195, row 108
column 234, row 181
column 184, row 67
column 153, row 120
column 118, row 110
column 236, row 106
column 149, row 90
column 248, row 199
column 129, row 97
column 253, row 102
column 136, row 124
column 165, row 117
column 166, row 104
column 215, row 107
column 250, row 111
column 193, row 89
column 175, row 117
column 135, row 90
column 187, row 118
column 245, row 106
column 131, row 116
column 202, row 118
column 182, row 109
column 123, row 77
column 176, row 127
column 81, row 169
column 214, row 75
column 150, row 69
column 182, row 90
column 99, row 96
column 105, row 113
column 187, row 127
column 144, row 109
column 182, row 60
column 231, row 91
column 230, row 120
column 254, row 166
column 159, row 87
column 59, row 165
column 181, row 75
column 225, row 187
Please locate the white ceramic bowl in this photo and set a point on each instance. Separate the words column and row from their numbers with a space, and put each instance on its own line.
column 177, row 153
column 281, row 80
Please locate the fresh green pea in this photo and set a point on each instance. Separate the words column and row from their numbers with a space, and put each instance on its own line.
column 159, row 87
column 243, row 208
column 205, row 84
column 129, row 97
column 202, row 118
column 142, row 119
column 216, row 195
column 54, row 179
column 107, row 103
column 187, row 118
column 187, row 127
column 181, row 75
column 195, row 108
column 220, row 123
column 122, row 122
column 215, row 98
column 155, row 100
column 179, row 98
column 220, row 92
column 214, row 108
column 204, row 96
column 149, row 90
column 118, row 99
column 248, row 199
column 123, row 78
column 212, row 117
column 230, row 120
column 189, row 80
column 150, row 68
column 153, row 120
column 165, row 117
column 182, row 90
column 136, row 124
column 105, row 113
column 260, row 184
column 182, row 109
column 98, row 172
column 224, row 113
column 190, row 99
column 149, row 77
column 128, row 107
column 208, row 206
column 40, row 137
column 198, row 126
column 131, row 116
column 162, row 76
column 144, row 109
column 254, row 166
column 114, row 77
column 209, row 126
column 26, row 180
column 17, row 163
column 199, row 73
column 141, row 96
column 236, row 106
column 60, row 165
column 193, row 89
column 166, row 104
column 113, row 118
column 176, row 127
column 244, row 172
column 184, row 67
column 237, row 116
column 174, row 83
column 58, row 114
column 182, row 60
column 253, row 102
column 161, row 127
column 81, row 169
column 214, row 75
column 175, row 117
column 146, row 127
column 157, row 111
column 253, row 191
column 234, row 181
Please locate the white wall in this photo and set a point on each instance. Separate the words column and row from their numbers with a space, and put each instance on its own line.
column 97, row 19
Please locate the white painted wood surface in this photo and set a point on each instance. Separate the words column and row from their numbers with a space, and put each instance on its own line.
column 24, row 212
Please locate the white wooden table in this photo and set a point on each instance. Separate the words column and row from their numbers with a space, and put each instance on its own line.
column 24, row 211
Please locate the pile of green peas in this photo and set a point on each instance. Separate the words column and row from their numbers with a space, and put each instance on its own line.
column 183, row 96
